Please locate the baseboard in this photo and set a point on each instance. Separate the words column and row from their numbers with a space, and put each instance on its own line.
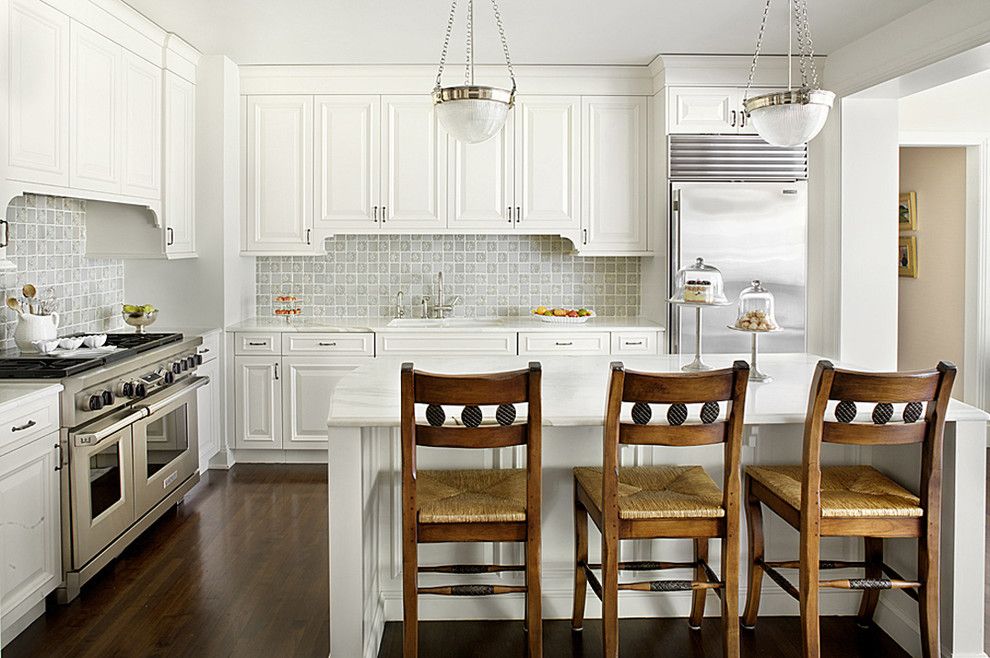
column 22, row 616
column 265, row 456
column 374, row 628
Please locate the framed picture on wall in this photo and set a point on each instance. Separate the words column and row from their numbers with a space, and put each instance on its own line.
column 907, row 212
column 907, row 256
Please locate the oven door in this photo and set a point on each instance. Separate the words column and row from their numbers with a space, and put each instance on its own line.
column 166, row 446
column 102, row 484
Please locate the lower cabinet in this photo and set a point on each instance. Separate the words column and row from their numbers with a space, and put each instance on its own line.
column 307, row 384
column 209, row 410
column 257, row 402
column 30, row 530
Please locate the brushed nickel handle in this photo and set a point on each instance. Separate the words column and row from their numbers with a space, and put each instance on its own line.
column 742, row 118
column 171, row 236
column 384, row 208
column 633, row 342
column 563, row 344
column 256, row 344
column 276, row 371
column 58, row 458
column 733, row 122
column 204, row 350
column 374, row 214
column 334, row 344
column 518, row 213
column 510, row 214
column 21, row 428
column 584, row 232
column 6, row 233
column 309, row 231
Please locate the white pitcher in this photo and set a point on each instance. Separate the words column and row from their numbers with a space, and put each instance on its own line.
column 32, row 328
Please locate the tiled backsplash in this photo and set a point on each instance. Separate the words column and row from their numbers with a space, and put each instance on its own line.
column 48, row 246
column 493, row 275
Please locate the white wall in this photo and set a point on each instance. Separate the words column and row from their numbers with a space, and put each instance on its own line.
column 959, row 106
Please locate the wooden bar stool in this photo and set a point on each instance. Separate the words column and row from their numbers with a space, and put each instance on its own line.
column 495, row 505
column 663, row 501
column 856, row 501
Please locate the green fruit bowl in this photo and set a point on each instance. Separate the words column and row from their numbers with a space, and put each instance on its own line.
column 139, row 319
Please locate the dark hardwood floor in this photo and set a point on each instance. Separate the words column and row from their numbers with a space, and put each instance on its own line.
column 240, row 569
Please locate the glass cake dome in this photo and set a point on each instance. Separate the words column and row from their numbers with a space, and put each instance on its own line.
column 756, row 309
column 699, row 283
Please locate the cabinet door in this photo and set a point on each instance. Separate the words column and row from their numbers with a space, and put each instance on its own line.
column 30, row 527
column 258, row 402
column 348, row 143
column 279, row 174
column 480, row 188
column 179, row 200
column 307, row 385
column 696, row 110
column 96, row 88
column 548, row 162
column 142, row 128
column 413, row 165
column 745, row 126
column 208, row 413
column 38, row 93
column 614, row 146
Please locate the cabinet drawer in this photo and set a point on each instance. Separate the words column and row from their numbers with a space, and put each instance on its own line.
column 349, row 344
column 436, row 343
column 28, row 422
column 210, row 349
column 248, row 344
column 635, row 342
column 584, row 343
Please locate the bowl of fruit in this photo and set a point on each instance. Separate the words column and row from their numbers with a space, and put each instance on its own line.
column 562, row 315
column 139, row 317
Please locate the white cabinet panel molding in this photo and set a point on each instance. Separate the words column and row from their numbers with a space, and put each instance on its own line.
column 307, row 385
column 480, row 187
column 348, row 148
column 141, row 130
column 96, row 92
column 548, row 162
column 414, row 165
column 257, row 402
column 179, row 205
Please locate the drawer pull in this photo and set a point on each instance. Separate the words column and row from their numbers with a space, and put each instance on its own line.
column 334, row 344
column 633, row 342
column 204, row 350
column 563, row 344
column 21, row 428
column 262, row 344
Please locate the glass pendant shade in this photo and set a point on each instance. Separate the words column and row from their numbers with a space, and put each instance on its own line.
column 472, row 114
column 789, row 118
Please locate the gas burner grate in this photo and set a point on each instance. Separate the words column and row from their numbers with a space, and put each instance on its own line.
column 45, row 367
column 141, row 342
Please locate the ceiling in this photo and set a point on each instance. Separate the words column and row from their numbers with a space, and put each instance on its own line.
column 539, row 31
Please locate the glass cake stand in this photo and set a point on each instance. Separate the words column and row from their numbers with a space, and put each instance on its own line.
column 697, row 365
column 754, row 372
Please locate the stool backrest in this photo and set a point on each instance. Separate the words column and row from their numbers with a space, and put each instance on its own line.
column 904, row 408
column 709, row 389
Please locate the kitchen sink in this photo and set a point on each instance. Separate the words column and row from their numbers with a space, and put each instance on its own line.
column 454, row 323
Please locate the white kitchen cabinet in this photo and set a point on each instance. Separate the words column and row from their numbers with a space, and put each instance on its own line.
column 548, row 163
column 257, row 402
column 481, row 182
column 279, row 175
column 38, row 94
column 709, row 110
column 307, row 385
column 348, row 169
column 209, row 409
column 574, row 343
column 96, row 92
column 614, row 155
column 414, row 165
column 30, row 530
column 141, row 134
column 179, row 138
column 434, row 343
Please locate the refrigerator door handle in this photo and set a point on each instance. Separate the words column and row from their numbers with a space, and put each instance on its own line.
column 674, row 322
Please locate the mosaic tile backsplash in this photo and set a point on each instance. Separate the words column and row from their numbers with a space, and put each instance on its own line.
column 495, row 276
column 48, row 247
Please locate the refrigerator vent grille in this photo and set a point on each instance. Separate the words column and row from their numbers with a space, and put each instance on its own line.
column 735, row 158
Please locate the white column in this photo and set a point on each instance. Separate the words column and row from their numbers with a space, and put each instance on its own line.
column 344, row 487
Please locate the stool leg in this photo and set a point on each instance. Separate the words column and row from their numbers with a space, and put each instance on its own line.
column 410, row 603
column 873, row 556
column 928, row 565
column 698, row 596
column 534, row 601
column 754, row 522
column 730, row 590
column 610, row 597
column 808, row 589
column 580, row 559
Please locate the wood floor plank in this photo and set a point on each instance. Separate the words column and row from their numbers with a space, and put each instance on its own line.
column 240, row 569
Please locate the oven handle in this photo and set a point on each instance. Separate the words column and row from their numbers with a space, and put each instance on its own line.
column 90, row 439
column 177, row 392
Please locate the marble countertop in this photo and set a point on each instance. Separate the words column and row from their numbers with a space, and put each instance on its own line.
column 14, row 394
column 574, row 390
column 380, row 325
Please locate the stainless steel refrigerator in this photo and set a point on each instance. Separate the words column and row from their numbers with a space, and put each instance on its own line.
column 749, row 230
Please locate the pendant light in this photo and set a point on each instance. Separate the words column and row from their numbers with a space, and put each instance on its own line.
column 473, row 113
column 794, row 116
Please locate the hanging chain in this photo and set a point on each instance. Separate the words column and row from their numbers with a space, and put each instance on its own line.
column 806, row 49
column 469, row 54
column 756, row 55
column 505, row 44
column 446, row 40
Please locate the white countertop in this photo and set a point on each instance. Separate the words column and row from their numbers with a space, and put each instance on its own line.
column 574, row 389
column 380, row 325
column 14, row 394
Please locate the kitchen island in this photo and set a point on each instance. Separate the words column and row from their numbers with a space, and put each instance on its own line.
column 365, row 488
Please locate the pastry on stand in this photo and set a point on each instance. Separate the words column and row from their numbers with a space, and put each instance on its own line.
column 756, row 317
column 698, row 286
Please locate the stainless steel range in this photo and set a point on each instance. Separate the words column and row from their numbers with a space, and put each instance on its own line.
column 129, row 444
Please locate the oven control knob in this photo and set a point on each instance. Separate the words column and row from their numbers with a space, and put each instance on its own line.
column 127, row 389
column 176, row 368
column 140, row 390
column 169, row 377
column 183, row 364
column 95, row 403
column 191, row 360
column 199, row 359
column 107, row 397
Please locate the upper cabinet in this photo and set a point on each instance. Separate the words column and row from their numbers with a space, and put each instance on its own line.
column 179, row 137
column 96, row 94
column 414, row 165
column 141, row 127
column 709, row 110
column 615, row 133
column 38, row 93
column 348, row 153
column 481, row 182
column 279, row 174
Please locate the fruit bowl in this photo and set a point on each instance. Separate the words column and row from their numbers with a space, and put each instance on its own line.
column 562, row 315
column 139, row 317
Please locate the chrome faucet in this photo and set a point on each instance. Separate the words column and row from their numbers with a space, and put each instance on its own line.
column 439, row 308
column 400, row 310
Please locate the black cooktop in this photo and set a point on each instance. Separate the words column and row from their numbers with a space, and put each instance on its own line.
column 14, row 365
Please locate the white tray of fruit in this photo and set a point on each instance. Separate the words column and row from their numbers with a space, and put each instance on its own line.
column 563, row 315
